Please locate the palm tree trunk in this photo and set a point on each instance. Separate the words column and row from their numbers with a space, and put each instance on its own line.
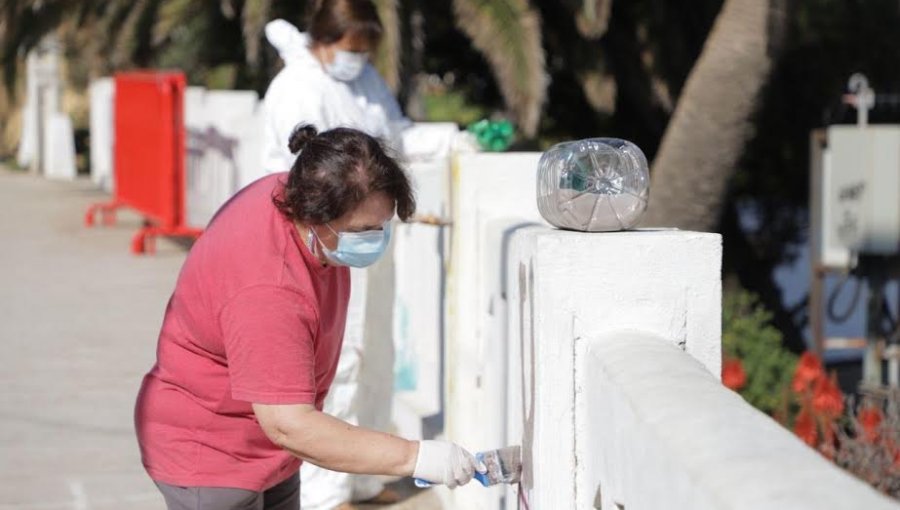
column 705, row 139
column 387, row 58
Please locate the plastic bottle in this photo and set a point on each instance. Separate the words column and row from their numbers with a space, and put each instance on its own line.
column 593, row 185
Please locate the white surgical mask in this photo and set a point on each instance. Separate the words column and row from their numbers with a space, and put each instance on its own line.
column 356, row 249
column 347, row 65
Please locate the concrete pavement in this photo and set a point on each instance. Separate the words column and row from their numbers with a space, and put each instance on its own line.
column 79, row 317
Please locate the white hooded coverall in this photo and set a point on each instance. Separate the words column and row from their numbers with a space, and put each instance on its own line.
column 303, row 92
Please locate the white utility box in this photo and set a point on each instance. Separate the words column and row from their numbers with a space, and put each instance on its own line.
column 861, row 196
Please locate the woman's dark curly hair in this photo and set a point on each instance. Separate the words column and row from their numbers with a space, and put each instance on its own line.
column 335, row 171
column 331, row 20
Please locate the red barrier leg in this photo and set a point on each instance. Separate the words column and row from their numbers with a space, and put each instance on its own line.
column 107, row 212
column 144, row 241
column 138, row 242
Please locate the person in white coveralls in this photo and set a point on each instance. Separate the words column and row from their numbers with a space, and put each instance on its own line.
column 328, row 82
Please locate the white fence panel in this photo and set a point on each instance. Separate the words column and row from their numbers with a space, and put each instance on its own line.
column 223, row 137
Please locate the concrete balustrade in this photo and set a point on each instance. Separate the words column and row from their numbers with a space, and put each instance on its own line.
column 614, row 343
column 565, row 287
column 659, row 431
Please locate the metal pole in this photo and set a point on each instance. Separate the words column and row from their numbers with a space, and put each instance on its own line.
column 872, row 376
column 817, row 141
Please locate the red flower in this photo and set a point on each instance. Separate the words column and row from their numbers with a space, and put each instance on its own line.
column 828, row 400
column 733, row 375
column 805, row 427
column 869, row 419
column 809, row 369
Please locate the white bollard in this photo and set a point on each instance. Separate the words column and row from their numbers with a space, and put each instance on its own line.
column 102, row 95
column 59, row 151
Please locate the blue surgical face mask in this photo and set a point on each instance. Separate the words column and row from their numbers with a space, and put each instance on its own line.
column 347, row 65
column 357, row 249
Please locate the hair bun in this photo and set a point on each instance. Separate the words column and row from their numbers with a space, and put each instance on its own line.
column 301, row 136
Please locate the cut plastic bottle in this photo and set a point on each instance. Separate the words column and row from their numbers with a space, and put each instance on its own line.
column 593, row 185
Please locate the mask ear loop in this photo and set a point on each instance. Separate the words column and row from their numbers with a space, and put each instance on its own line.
column 332, row 231
column 313, row 246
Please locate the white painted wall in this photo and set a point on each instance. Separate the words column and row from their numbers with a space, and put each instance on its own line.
column 418, row 325
column 427, row 147
column 492, row 194
column 224, row 135
column 102, row 93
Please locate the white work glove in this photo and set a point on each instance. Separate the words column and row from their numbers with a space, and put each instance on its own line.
column 442, row 462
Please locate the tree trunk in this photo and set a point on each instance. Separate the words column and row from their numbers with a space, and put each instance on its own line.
column 705, row 139
column 387, row 57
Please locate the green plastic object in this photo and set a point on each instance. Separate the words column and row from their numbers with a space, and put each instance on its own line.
column 493, row 136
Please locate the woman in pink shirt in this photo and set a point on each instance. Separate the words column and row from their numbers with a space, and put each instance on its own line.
column 251, row 337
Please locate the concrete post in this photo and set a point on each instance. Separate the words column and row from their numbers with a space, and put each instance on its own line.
column 565, row 287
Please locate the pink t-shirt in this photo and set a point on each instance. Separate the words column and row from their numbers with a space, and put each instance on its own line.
column 254, row 318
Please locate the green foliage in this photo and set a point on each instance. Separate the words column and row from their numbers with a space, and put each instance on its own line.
column 747, row 334
column 452, row 106
column 222, row 77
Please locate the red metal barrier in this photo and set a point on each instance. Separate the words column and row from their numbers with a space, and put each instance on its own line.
column 149, row 156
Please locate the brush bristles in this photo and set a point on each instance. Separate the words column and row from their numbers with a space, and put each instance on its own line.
column 503, row 465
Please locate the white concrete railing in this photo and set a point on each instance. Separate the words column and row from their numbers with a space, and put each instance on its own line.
column 601, row 355
column 564, row 287
column 661, row 432
column 613, row 345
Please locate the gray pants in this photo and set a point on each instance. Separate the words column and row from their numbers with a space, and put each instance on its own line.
column 284, row 496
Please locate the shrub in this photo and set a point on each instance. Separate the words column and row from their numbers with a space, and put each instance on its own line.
column 750, row 343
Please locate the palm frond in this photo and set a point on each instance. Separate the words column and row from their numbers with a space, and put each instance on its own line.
column 172, row 14
column 127, row 39
column 254, row 18
column 387, row 58
column 593, row 18
column 25, row 23
column 508, row 34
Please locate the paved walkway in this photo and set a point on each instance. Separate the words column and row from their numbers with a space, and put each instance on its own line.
column 79, row 317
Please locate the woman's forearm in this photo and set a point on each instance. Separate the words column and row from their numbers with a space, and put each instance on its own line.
column 335, row 444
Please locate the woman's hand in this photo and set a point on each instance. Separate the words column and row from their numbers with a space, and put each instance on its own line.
column 445, row 463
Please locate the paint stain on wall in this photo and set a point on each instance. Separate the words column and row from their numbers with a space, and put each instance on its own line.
column 526, row 337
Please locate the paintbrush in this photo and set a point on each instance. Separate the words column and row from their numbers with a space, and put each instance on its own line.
column 503, row 465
